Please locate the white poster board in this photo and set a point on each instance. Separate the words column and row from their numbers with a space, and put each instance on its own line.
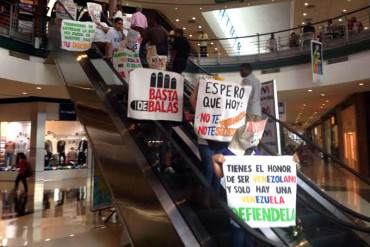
column 269, row 104
column 155, row 95
column 261, row 190
column 94, row 10
column 69, row 7
column 77, row 35
column 221, row 109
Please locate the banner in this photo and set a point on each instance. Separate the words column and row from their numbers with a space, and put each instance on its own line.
column 127, row 59
column 317, row 60
column 76, row 35
column 155, row 95
column 94, row 10
column 261, row 190
column 269, row 104
column 221, row 109
column 69, row 7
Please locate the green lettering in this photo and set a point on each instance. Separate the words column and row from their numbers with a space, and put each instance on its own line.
column 266, row 214
column 275, row 214
column 241, row 213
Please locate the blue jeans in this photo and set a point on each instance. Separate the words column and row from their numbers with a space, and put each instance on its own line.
column 239, row 238
column 206, row 153
column 8, row 159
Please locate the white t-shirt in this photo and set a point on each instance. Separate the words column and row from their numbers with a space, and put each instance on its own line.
column 114, row 37
column 100, row 35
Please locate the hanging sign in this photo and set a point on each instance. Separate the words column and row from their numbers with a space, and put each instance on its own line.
column 221, row 109
column 69, row 10
column 94, row 10
column 317, row 60
column 77, row 35
column 261, row 190
column 155, row 95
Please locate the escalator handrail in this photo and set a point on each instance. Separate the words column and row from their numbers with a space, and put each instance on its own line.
column 305, row 178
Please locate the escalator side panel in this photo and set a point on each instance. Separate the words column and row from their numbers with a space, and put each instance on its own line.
column 150, row 216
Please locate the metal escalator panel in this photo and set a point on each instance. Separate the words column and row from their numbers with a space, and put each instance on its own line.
column 143, row 206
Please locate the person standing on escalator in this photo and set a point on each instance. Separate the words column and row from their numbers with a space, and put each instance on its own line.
column 114, row 38
column 180, row 51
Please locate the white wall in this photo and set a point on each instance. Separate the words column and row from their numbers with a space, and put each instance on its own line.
column 29, row 71
column 299, row 77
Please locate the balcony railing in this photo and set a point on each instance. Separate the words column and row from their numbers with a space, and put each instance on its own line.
column 334, row 32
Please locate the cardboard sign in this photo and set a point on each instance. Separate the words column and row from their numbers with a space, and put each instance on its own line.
column 69, row 7
column 261, row 190
column 94, row 10
column 317, row 60
column 221, row 109
column 155, row 95
column 269, row 104
column 76, row 35
column 125, row 61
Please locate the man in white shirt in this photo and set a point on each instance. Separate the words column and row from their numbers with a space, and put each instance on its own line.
column 114, row 37
column 249, row 79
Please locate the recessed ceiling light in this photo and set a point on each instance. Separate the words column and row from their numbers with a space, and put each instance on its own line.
column 340, row 19
column 47, row 240
column 304, row 14
column 310, row 90
column 193, row 18
column 200, row 27
column 176, row 8
column 344, row 10
column 24, row 93
column 323, row 95
column 303, row 23
column 38, row 88
column 306, row 4
column 327, row 101
column 198, row 44
column 184, row 28
column 366, row 28
column 190, row 35
column 177, row 20
column 216, row 49
column 212, row 43
column 323, row 104
column 200, row 8
column 361, row 84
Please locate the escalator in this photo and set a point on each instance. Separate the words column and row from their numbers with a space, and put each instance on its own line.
column 161, row 209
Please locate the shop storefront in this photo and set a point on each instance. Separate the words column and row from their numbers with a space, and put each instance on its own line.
column 48, row 133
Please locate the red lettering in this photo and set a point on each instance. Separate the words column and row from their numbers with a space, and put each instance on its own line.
column 151, row 93
column 151, row 106
column 205, row 117
column 175, row 107
column 202, row 130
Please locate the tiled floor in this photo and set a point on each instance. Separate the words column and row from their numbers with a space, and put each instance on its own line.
column 343, row 186
column 57, row 214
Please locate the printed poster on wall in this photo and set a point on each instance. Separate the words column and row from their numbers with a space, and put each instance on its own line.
column 94, row 10
column 317, row 60
column 155, row 95
column 69, row 7
column 76, row 35
column 269, row 104
column 221, row 109
column 261, row 190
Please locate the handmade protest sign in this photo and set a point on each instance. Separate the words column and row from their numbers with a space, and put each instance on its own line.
column 261, row 190
column 155, row 95
column 76, row 35
column 94, row 10
column 221, row 109
column 127, row 58
column 66, row 9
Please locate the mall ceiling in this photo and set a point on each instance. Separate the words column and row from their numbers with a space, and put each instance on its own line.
column 306, row 106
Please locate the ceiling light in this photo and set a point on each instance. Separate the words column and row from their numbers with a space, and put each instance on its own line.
column 177, row 20
column 327, row 101
column 200, row 27
column 310, row 90
column 344, row 10
column 303, row 23
column 198, row 44
column 190, row 35
column 300, row 113
column 216, row 49
column 47, row 239
column 176, row 8
column 323, row 95
column 304, row 14
column 194, row 18
column 38, row 88
column 184, row 28
column 212, row 43
column 24, row 93
column 304, row 105
column 200, row 8
column 366, row 28
column 306, row 4
column 340, row 19
column 71, row 235
column 323, row 104
column 361, row 84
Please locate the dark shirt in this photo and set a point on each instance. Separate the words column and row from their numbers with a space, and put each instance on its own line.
column 308, row 29
column 182, row 47
column 157, row 36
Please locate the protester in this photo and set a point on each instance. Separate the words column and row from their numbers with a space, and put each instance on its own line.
column 114, row 36
column 272, row 44
column 157, row 36
column 180, row 51
column 139, row 21
column 23, row 168
column 293, row 40
column 203, row 37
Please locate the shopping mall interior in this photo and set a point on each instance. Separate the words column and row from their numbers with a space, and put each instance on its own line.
column 94, row 154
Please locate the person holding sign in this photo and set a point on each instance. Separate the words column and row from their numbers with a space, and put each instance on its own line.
column 114, row 37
